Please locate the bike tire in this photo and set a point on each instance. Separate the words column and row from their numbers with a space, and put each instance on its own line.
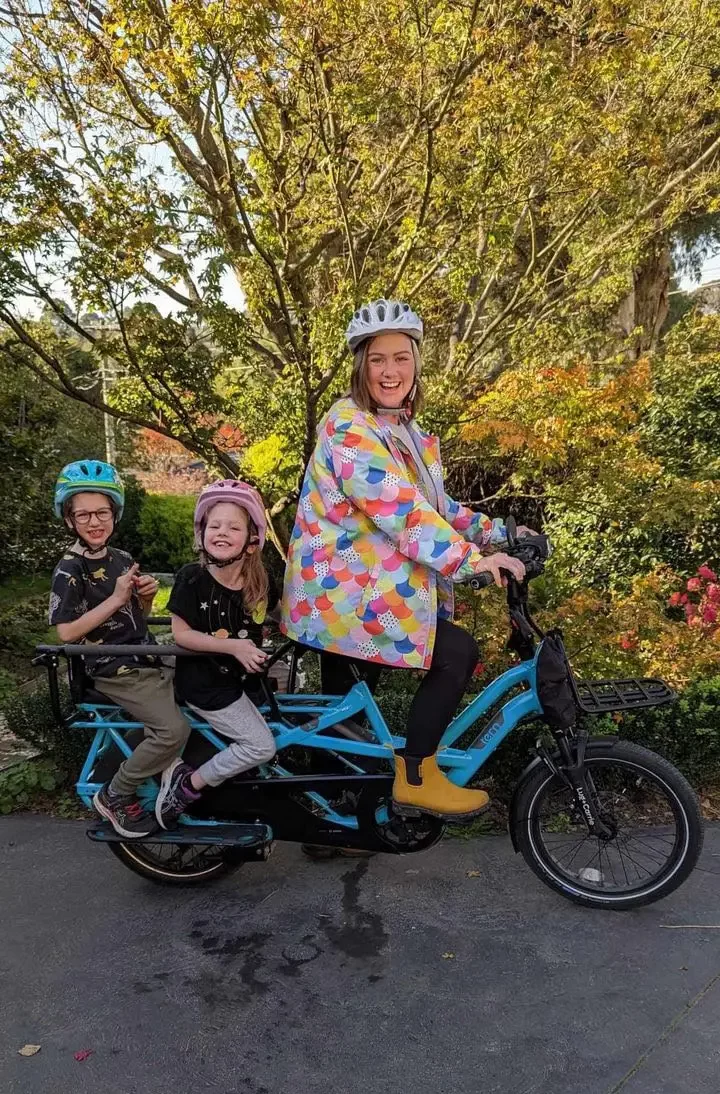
column 138, row 858
column 636, row 763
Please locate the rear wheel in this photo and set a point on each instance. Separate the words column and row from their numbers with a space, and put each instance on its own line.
column 652, row 812
column 175, row 863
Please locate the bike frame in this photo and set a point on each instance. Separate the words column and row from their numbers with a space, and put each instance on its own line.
column 326, row 711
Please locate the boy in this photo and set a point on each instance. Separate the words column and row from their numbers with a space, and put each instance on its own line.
column 98, row 597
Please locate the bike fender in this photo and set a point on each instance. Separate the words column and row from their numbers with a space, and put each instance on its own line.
column 606, row 740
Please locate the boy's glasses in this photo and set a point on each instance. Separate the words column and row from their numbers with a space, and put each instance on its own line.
column 82, row 517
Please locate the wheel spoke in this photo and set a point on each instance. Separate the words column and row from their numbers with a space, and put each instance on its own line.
column 179, row 859
column 637, row 809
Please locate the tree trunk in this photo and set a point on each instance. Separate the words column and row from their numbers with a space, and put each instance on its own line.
column 645, row 308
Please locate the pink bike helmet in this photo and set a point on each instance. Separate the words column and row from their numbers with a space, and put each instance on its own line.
column 239, row 493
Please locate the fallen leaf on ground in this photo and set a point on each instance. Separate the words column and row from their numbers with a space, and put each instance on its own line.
column 28, row 1050
column 83, row 1054
column 473, row 873
column 447, row 956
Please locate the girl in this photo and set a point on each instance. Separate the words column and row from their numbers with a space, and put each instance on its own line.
column 218, row 606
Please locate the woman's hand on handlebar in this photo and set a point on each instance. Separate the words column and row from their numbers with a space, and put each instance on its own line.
column 247, row 653
column 494, row 565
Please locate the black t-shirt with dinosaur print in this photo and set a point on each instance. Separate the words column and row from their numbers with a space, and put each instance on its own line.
column 80, row 584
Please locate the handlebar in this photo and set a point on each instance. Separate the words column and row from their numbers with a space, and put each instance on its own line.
column 532, row 550
column 80, row 650
column 481, row 581
column 45, row 653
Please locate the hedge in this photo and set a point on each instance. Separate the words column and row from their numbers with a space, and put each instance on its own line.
column 165, row 532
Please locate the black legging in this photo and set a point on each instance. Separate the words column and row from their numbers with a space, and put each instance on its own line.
column 454, row 657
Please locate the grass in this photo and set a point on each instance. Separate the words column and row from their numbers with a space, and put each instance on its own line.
column 19, row 588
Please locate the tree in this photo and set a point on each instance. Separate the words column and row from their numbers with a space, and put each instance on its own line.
column 622, row 461
column 504, row 165
column 40, row 431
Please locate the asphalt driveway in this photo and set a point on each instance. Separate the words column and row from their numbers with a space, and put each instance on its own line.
column 450, row 972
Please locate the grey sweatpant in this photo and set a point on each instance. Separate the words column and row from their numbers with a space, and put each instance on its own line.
column 147, row 695
column 251, row 736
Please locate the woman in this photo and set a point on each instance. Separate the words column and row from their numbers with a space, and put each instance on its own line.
column 377, row 545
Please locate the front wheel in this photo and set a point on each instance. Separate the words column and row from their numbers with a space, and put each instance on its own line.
column 652, row 812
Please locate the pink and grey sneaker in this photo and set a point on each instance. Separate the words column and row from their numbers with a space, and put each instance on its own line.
column 125, row 813
column 176, row 793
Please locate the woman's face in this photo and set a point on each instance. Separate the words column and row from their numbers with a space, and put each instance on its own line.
column 226, row 530
column 390, row 369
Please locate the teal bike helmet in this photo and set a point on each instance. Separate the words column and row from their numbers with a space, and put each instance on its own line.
column 85, row 476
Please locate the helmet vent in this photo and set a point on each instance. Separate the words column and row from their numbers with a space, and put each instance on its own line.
column 380, row 316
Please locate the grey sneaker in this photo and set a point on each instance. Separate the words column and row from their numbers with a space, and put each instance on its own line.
column 175, row 793
column 125, row 813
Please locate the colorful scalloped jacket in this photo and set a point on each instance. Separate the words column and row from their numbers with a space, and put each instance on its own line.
column 371, row 563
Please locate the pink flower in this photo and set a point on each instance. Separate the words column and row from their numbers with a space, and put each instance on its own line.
column 706, row 573
column 694, row 585
column 675, row 600
column 479, row 669
column 690, row 611
column 709, row 614
column 713, row 593
column 629, row 641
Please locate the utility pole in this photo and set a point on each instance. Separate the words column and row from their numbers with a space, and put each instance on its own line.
column 108, row 420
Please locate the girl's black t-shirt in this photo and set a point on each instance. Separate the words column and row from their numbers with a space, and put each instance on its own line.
column 213, row 681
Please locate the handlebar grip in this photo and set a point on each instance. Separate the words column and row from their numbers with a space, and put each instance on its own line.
column 481, row 581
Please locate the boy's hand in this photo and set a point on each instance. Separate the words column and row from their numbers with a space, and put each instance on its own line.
column 247, row 653
column 125, row 584
column 146, row 586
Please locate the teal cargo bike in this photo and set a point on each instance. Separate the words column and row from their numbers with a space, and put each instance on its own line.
column 602, row 821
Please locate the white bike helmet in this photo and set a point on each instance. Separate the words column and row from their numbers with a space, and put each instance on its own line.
column 383, row 317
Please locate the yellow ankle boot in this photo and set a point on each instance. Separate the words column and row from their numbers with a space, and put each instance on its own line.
column 433, row 793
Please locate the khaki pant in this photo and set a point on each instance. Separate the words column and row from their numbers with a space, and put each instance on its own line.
column 147, row 695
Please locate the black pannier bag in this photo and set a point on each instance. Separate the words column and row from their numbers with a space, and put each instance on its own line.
column 553, row 684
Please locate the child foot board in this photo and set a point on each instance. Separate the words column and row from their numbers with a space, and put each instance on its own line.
column 225, row 835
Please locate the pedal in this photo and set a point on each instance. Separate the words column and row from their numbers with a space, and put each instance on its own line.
column 248, row 837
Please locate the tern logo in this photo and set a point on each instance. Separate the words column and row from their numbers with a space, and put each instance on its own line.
column 492, row 731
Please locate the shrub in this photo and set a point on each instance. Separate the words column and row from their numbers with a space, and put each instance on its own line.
column 128, row 537
column 30, row 718
column 686, row 732
column 165, row 531
column 22, row 782
column 23, row 623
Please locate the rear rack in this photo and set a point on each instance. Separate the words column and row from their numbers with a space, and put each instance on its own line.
column 598, row 696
